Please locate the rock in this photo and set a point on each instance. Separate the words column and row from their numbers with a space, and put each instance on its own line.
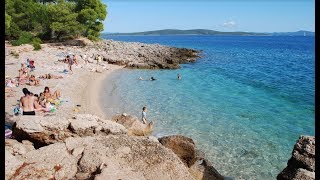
column 53, row 161
column 84, row 124
column 12, row 164
column 133, row 125
column 17, row 148
column 302, row 163
column 182, row 146
column 41, row 130
column 203, row 170
column 87, row 124
column 127, row 157
column 145, row 56
column 48, row 130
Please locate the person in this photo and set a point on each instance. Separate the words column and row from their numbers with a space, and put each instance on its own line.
column 27, row 102
column 23, row 74
column 70, row 63
column 33, row 81
column 49, row 96
column 75, row 60
column 152, row 79
column 179, row 77
column 50, row 76
column 38, row 106
column 140, row 78
column 144, row 115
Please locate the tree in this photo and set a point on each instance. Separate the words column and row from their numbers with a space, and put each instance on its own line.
column 91, row 13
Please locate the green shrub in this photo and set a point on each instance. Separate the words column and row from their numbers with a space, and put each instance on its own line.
column 93, row 38
column 36, row 46
column 24, row 38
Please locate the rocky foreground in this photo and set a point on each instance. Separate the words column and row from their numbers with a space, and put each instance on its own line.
column 87, row 147
column 301, row 166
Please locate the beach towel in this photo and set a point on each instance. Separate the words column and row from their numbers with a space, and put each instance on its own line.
column 8, row 131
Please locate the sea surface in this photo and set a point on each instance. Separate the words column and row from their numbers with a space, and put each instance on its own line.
column 245, row 102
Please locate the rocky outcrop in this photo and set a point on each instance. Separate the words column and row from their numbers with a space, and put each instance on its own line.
column 87, row 147
column 143, row 56
column 185, row 149
column 49, row 162
column 99, row 157
column 43, row 131
column 182, row 146
column 133, row 124
column 301, row 165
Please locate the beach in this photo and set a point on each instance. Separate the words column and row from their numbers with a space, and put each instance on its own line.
column 80, row 88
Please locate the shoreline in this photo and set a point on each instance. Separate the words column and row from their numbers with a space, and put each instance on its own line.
column 92, row 93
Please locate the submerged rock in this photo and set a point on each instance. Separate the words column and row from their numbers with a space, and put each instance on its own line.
column 302, row 163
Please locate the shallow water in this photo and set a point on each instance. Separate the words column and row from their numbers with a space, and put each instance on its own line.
column 244, row 103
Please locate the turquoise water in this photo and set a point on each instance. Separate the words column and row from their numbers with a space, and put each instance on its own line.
column 244, row 103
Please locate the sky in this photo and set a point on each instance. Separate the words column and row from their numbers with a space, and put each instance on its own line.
column 220, row 15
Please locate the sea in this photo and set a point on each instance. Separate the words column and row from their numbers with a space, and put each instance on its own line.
column 245, row 102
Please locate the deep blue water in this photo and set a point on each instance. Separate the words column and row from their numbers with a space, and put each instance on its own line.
column 244, row 103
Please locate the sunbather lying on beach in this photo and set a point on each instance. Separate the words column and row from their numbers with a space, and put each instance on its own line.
column 50, row 76
column 33, row 81
column 50, row 97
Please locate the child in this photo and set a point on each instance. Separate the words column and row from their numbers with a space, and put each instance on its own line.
column 144, row 115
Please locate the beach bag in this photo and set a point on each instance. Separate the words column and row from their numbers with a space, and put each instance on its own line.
column 16, row 110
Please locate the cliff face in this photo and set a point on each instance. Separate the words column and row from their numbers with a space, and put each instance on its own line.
column 88, row 147
column 301, row 166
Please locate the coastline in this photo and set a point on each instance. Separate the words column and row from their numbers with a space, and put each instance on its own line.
column 93, row 91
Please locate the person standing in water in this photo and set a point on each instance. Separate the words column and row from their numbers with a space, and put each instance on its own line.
column 179, row 77
column 144, row 115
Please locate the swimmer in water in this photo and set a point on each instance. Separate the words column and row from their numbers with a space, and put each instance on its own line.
column 179, row 77
column 140, row 78
column 152, row 79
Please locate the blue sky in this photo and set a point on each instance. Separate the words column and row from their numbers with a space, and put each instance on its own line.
column 221, row 15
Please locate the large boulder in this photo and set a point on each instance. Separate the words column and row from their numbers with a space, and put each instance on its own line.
column 41, row 130
column 12, row 164
column 133, row 125
column 126, row 157
column 48, row 130
column 182, row 146
column 49, row 162
column 204, row 170
column 302, row 163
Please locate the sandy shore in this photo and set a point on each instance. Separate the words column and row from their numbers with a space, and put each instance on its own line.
column 82, row 88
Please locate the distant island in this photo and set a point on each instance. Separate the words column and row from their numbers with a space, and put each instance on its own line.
column 212, row 32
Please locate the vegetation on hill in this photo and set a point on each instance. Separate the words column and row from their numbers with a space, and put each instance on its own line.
column 30, row 21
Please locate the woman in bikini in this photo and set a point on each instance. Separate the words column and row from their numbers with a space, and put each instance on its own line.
column 50, row 97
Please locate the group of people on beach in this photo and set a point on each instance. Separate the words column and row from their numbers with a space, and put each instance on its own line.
column 45, row 101
column 26, row 77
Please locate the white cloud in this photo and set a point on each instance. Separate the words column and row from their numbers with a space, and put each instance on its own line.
column 229, row 24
